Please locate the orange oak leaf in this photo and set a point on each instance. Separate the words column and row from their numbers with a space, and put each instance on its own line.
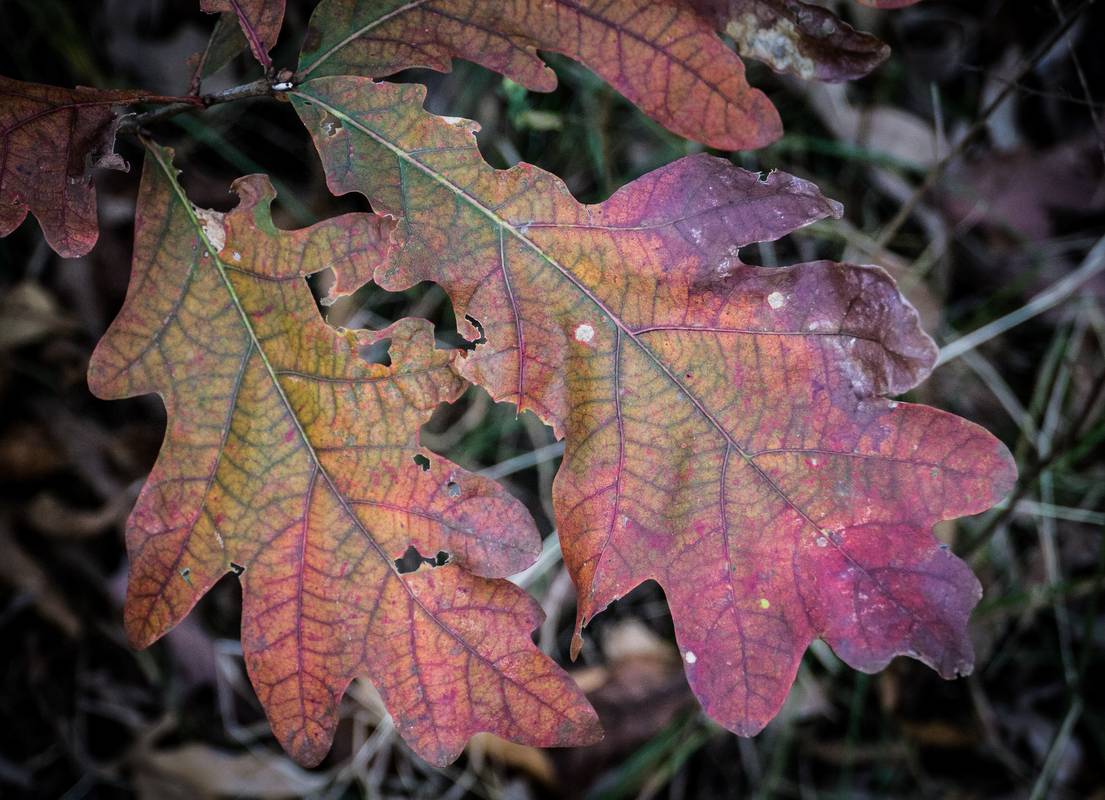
column 260, row 21
column 728, row 432
column 663, row 56
column 290, row 459
column 50, row 140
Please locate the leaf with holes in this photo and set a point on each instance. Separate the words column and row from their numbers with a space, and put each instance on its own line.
column 259, row 20
column 50, row 140
column 727, row 428
column 295, row 462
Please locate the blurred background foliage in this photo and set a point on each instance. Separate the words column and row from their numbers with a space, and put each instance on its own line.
column 1001, row 248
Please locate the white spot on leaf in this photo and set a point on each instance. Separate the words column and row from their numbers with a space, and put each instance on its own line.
column 584, row 333
column 690, row 657
column 213, row 227
column 776, row 300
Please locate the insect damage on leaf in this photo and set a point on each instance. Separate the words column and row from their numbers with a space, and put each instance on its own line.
column 50, row 140
column 288, row 460
column 798, row 38
column 727, row 432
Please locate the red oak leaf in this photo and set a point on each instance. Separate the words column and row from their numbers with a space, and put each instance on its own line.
column 290, row 460
column 50, row 140
column 664, row 56
column 727, row 428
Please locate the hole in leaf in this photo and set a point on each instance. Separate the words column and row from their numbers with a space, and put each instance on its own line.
column 422, row 461
column 331, row 126
column 186, row 573
column 411, row 560
column 375, row 308
column 237, row 569
column 377, row 352
column 478, row 326
column 452, row 488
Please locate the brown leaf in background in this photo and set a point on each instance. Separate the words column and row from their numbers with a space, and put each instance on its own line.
column 1020, row 192
column 50, row 140
column 28, row 313
column 638, row 692
column 19, row 571
column 197, row 771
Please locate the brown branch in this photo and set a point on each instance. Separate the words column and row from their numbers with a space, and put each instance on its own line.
column 263, row 87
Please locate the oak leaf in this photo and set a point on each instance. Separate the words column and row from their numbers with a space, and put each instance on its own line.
column 259, row 20
column 728, row 432
column 663, row 56
column 290, row 460
column 50, row 140
column 666, row 57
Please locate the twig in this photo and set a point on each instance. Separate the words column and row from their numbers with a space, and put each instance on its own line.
column 523, row 461
column 1025, row 89
column 263, row 87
